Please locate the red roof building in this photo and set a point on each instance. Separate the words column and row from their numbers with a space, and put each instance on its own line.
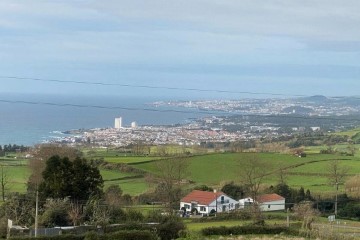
column 204, row 202
column 269, row 198
column 271, row 202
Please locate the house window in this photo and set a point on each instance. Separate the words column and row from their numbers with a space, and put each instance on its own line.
column 269, row 206
column 187, row 206
column 202, row 209
column 222, row 199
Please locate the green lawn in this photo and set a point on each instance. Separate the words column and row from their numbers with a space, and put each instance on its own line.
column 133, row 187
column 18, row 177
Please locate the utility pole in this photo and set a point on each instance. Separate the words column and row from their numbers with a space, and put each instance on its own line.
column 36, row 211
column 336, row 198
column 215, row 202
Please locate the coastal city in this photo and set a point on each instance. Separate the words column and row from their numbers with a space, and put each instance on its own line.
column 265, row 118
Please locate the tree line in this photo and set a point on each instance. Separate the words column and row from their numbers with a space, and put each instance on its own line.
column 12, row 148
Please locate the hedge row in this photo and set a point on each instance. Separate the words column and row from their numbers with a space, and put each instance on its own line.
column 244, row 230
column 121, row 235
column 61, row 237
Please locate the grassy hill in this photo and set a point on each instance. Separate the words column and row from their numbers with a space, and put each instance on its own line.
column 309, row 172
column 208, row 169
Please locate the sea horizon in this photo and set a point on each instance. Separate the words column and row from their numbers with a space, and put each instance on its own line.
column 36, row 118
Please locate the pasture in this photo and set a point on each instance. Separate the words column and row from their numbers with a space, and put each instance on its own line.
column 211, row 169
column 309, row 172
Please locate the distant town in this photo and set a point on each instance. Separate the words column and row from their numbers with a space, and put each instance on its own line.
column 250, row 119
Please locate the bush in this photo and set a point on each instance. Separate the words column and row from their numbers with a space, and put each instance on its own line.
column 131, row 235
column 133, row 215
column 243, row 230
column 61, row 237
column 91, row 236
column 170, row 228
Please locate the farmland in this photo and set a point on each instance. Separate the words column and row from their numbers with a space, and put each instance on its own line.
column 211, row 169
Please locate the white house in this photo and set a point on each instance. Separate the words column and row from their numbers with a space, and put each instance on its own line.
column 271, row 202
column 243, row 203
column 207, row 202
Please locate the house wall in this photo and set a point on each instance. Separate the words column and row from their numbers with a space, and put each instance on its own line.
column 223, row 205
column 200, row 208
column 273, row 206
column 245, row 202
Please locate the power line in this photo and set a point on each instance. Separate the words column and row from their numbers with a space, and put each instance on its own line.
column 177, row 111
column 106, row 107
column 151, row 87
column 168, row 88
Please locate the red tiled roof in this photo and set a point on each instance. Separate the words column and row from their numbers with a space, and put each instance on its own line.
column 201, row 197
column 269, row 198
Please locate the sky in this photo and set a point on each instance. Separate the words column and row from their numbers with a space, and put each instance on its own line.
column 298, row 47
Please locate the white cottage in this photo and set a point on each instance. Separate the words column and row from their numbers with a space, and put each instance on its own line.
column 245, row 202
column 207, row 202
column 271, row 202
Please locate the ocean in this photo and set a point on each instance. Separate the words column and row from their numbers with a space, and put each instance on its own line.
column 29, row 124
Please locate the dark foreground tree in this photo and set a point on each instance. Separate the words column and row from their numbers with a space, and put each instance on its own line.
column 77, row 180
column 43, row 152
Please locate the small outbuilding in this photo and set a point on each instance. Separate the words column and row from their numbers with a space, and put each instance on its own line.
column 271, row 202
column 245, row 202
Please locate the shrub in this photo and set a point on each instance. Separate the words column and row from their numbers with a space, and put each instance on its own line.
column 131, row 235
column 243, row 230
column 91, row 236
column 170, row 228
column 133, row 215
column 61, row 237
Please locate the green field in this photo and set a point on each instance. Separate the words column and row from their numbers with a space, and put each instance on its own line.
column 212, row 169
column 133, row 187
column 17, row 177
column 309, row 172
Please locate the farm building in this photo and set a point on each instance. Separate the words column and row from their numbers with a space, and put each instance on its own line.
column 267, row 202
column 271, row 202
column 243, row 203
column 203, row 202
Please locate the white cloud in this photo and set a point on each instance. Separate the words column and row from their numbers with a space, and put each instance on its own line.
column 319, row 20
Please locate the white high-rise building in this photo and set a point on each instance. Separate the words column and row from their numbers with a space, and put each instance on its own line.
column 118, row 122
column 134, row 125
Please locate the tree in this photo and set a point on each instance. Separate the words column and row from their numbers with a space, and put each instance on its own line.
column 336, row 176
column 336, row 172
column 19, row 208
column 113, row 195
column 98, row 214
column 252, row 172
column 87, row 180
column 307, row 214
column 282, row 176
column 4, row 182
column 56, row 212
column 77, row 180
column 75, row 213
column 171, row 172
column 234, row 191
column 43, row 152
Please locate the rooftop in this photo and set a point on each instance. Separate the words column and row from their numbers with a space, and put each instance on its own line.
column 201, row 197
column 269, row 198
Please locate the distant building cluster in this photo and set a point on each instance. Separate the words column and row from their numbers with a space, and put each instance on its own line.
column 119, row 123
